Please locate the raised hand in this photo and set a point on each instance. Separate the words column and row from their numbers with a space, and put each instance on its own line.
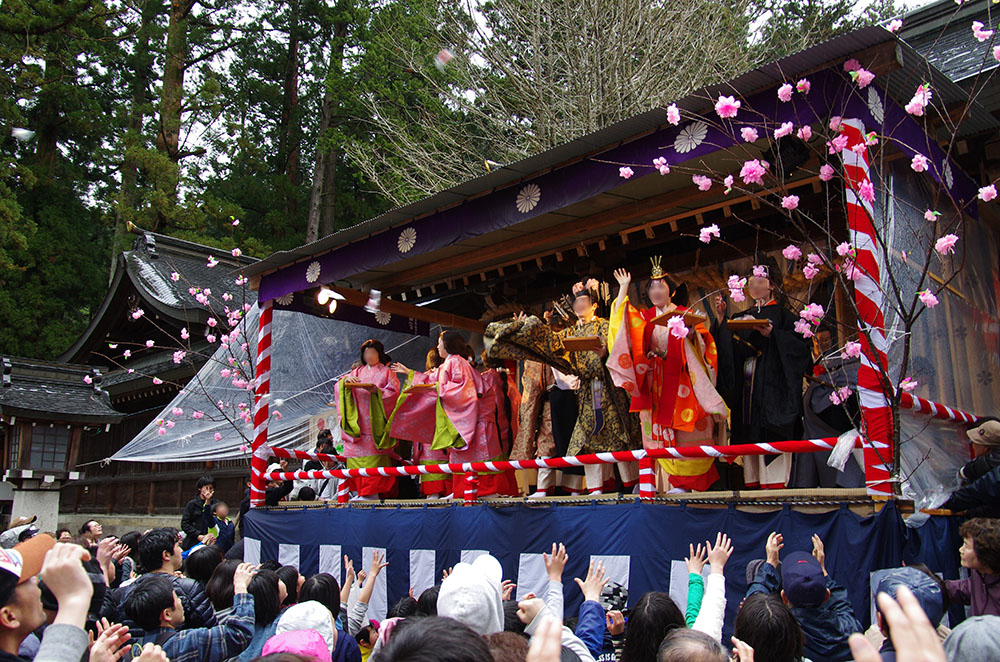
column 241, row 578
column 106, row 550
column 528, row 608
column 696, row 558
column 64, row 575
column 615, row 622
column 720, row 305
column 348, row 570
column 719, row 553
column 110, row 643
column 121, row 551
column 345, row 589
column 623, row 277
column 555, row 563
column 595, row 582
column 507, row 589
column 775, row 541
column 153, row 653
column 546, row 645
column 819, row 551
column 378, row 563
column 913, row 636
column 742, row 651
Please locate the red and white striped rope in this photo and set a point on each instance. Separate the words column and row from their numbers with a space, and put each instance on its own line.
column 875, row 412
column 258, row 461
column 935, row 409
column 292, row 454
column 687, row 452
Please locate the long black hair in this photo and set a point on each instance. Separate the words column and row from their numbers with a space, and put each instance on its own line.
column 654, row 615
column 678, row 291
column 454, row 343
column 427, row 602
column 201, row 563
column 219, row 588
column 377, row 345
column 324, row 589
column 289, row 576
column 769, row 626
column 266, row 603
column 593, row 294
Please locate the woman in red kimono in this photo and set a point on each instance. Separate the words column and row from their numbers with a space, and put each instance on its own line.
column 670, row 375
column 363, row 419
column 495, row 424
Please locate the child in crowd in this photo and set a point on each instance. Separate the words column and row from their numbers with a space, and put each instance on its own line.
column 221, row 527
column 818, row 602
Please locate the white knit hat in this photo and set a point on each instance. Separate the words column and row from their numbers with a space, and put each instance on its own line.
column 472, row 595
column 309, row 615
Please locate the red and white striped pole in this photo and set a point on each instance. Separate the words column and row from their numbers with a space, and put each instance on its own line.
column 258, row 460
column 647, row 478
column 876, row 414
column 343, row 491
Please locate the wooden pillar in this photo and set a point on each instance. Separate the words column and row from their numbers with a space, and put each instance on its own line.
column 151, row 505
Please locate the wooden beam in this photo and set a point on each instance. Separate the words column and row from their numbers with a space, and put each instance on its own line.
column 575, row 229
column 724, row 204
column 423, row 313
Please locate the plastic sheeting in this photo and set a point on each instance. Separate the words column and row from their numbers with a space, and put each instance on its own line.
column 955, row 346
column 308, row 355
column 931, row 453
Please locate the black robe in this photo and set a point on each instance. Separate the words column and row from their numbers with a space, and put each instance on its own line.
column 770, row 407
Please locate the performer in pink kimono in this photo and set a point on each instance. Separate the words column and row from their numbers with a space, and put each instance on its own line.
column 415, row 421
column 447, row 416
column 363, row 419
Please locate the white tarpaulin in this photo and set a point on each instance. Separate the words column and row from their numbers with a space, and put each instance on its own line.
column 308, row 355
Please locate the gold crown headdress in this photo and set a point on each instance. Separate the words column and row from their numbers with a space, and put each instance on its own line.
column 656, row 272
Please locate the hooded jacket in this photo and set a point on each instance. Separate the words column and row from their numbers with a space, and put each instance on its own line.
column 198, row 610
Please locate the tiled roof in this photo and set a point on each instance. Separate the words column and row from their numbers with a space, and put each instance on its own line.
column 942, row 32
column 154, row 258
column 50, row 391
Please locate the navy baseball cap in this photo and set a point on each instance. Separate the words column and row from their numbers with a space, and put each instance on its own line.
column 803, row 580
column 924, row 589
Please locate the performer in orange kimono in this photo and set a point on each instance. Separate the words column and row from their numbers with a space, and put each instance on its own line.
column 670, row 373
column 363, row 415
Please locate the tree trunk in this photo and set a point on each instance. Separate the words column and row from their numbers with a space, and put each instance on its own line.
column 141, row 66
column 172, row 93
column 49, row 115
column 322, row 197
column 289, row 116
